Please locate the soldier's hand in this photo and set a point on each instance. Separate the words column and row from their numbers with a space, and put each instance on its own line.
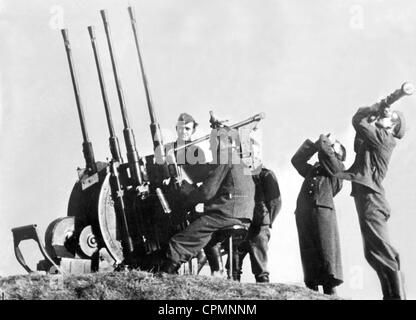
column 331, row 138
column 186, row 188
column 323, row 139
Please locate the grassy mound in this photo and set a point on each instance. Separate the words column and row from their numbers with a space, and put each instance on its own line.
column 146, row 286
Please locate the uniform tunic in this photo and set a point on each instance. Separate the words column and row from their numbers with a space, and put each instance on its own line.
column 191, row 160
column 267, row 206
column 315, row 213
column 187, row 156
column 228, row 197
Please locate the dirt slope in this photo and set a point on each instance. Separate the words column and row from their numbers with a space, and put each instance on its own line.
column 147, row 286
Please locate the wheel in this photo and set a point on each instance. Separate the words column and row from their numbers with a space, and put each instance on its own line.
column 61, row 237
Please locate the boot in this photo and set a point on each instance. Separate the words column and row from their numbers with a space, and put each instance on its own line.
column 169, row 266
column 397, row 285
column 392, row 285
column 151, row 262
column 202, row 259
column 213, row 256
column 264, row 278
column 329, row 289
column 312, row 286
column 385, row 285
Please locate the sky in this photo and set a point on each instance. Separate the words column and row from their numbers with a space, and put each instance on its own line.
column 308, row 65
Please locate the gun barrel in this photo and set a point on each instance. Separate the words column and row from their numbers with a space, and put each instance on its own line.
column 86, row 145
column 154, row 125
column 256, row 118
column 120, row 94
column 144, row 77
column 132, row 154
column 114, row 144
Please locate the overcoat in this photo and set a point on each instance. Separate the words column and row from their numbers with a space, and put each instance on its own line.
column 315, row 213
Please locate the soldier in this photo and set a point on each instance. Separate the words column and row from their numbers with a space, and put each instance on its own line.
column 185, row 128
column 188, row 157
column 228, row 196
column 376, row 128
column 315, row 212
column 268, row 203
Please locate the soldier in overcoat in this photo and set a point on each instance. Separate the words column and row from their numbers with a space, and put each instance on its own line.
column 316, row 219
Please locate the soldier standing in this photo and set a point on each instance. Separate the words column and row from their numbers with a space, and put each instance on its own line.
column 377, row 128
column 315, row 212
column 268, row 203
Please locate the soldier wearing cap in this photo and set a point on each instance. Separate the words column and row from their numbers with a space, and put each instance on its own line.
column 377, row 128
column 188, row 157
column 185, row 128
column 228, row 197
column 268, row 203
column 315, row 212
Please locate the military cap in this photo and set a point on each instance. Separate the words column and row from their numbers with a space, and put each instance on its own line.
column 185, row 118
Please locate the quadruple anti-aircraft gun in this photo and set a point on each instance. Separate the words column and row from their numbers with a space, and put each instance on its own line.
column 120, row 211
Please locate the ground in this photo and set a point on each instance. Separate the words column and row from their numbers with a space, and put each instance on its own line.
column 131, row 285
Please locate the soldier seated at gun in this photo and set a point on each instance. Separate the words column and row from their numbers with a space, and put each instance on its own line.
column 267, row 206
column 228, row 196
column 187, row 156
column 315, row 212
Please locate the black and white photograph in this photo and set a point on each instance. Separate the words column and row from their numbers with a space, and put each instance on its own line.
column 227, row 150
